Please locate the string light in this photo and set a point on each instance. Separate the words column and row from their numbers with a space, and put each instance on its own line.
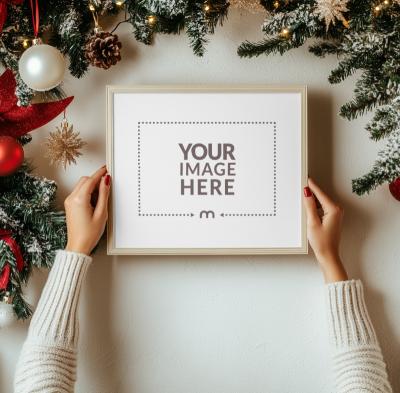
column 207, row 7
column 276, row 4
column 285, row 32
column 151, row 20
column 25, row 43
column 380, row 7
column 91, row 7
column 119, row 3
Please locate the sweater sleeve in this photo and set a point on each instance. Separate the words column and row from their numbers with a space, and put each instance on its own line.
column 47, row 363
column 357, row 357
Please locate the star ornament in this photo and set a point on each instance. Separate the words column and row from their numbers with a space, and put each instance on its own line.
column 64, row 145
column 252, row 6
column 17, row 120
column 332, row 10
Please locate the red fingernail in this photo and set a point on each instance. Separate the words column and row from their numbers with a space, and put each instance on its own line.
column 307, row 192
column 107, row 180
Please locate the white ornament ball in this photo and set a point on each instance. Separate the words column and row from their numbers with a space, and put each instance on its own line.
column 42, row 67
column 7, row 316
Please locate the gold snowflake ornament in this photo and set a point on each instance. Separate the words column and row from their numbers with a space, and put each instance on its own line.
column 332, row 10
column 64, row 145
column 252, row 6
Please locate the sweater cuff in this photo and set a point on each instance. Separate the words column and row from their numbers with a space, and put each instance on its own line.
column 349, row 322
column 55, row 317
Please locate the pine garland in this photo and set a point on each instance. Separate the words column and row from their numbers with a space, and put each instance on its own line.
column 370, row 44
column 365, row 35
column 71, row 23
column 27, row 211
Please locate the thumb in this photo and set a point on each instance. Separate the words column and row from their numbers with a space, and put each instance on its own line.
column 311, row 207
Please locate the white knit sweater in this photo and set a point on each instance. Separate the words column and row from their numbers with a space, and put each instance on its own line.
column 48, row 359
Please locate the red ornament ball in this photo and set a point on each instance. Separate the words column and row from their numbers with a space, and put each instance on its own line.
column 11, row 155
column 394, row 188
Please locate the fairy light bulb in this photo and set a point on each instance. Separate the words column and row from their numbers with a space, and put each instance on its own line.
column 285, row 32
column 151, row 19
column 91, row 7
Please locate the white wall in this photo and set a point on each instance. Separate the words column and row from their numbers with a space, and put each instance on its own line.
column 224, row 324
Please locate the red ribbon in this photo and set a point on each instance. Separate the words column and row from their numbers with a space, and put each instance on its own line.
column 7, row 237
column 3, row 10
column 5, row 277
column 35, row 16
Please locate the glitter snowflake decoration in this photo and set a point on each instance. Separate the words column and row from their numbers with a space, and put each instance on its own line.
column 64, row 145
column 332, row 10
column 252, row 6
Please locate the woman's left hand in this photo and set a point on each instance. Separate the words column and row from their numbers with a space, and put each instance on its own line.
column 86, row 218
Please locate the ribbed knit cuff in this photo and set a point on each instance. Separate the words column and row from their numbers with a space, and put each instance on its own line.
column 349, row 322
column 55, row 319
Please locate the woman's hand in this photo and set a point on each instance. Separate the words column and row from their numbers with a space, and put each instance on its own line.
column 86, row 216
column 324, row 231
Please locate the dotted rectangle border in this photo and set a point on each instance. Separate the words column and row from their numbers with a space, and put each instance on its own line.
column 139, row 196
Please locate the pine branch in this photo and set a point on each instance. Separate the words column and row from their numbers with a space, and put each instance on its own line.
column 299, row 24
column 370, row 92
column 166, row 8
column 21, row 308
column 138, row 15
column 196, row 28
column 345, row 68
column 323, row 48
column 385, row 169
column 265, row 47
column 385, row 121
column 27, row 211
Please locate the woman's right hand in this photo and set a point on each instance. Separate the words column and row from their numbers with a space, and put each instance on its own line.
column 324, row 231
column 85, row 221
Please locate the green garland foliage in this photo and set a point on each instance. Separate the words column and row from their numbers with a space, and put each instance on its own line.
column 369, row 45
column 27, row 211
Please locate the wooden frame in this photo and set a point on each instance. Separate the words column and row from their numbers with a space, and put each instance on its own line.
column 111, row 247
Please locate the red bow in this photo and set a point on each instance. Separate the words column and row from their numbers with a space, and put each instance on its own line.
column 3, row 10
column 6, row 236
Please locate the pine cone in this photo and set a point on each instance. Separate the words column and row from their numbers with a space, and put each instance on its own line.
column 103, row 50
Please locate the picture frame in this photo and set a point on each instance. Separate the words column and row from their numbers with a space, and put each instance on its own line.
column 145, row 125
